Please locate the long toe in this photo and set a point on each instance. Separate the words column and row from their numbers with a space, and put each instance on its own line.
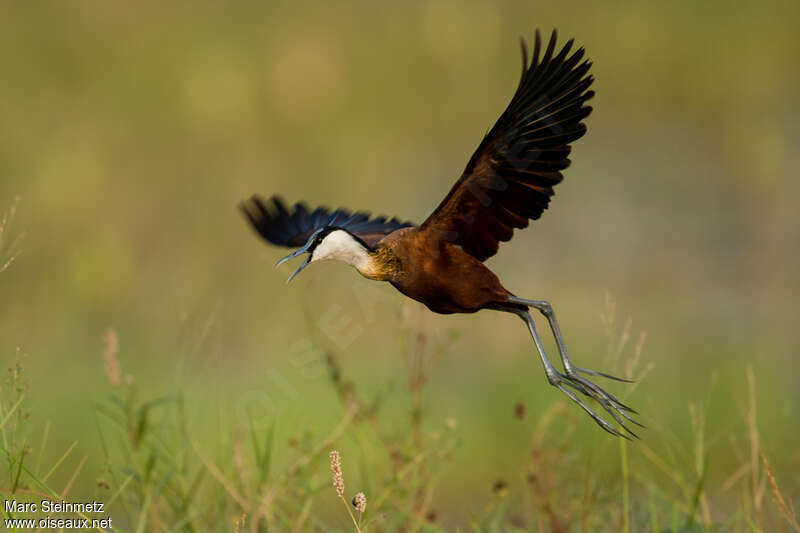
column 597, row 418
column 615, row 408
column 602, row 374
column 598, row 390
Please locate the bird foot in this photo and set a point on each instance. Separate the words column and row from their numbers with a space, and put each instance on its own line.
column 612, row 405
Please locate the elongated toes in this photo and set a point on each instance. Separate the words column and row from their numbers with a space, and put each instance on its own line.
column 597, row 418
column 616, row 409
column 600, row 391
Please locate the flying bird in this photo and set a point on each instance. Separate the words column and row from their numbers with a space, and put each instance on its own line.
column 508, row 181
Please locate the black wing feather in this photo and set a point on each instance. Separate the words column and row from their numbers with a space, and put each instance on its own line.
column 510, row 177
column 293, row 226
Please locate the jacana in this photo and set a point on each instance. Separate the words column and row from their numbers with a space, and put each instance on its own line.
column 507, row 181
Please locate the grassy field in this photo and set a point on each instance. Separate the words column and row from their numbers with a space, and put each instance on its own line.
column 249, row 467
column 157, row 362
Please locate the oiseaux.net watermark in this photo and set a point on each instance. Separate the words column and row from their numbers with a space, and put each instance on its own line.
column 83, row 515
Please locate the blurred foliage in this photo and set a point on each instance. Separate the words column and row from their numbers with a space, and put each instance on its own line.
column 129, row 133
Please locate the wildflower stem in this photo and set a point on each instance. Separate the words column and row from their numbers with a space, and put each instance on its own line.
column 352, row 517
column 623, row 450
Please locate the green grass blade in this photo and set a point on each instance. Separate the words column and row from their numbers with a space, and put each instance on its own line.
column 623, row 453
column 120, row 489
column 12, row 410
column 19, row 468
column 36, row 480
column 42, row 447
column 61, row 460
column 698, row 491
column 264, row 464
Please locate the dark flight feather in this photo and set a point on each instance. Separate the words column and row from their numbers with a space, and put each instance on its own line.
column 510, row 177
column 293, row 226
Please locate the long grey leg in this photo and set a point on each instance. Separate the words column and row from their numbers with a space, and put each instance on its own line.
column 547, row 310
column 559, row 380
column 553, row 375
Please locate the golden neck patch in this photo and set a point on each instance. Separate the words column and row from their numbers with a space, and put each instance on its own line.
column 383, row 265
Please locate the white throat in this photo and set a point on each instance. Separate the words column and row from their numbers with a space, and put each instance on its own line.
column 341, row 246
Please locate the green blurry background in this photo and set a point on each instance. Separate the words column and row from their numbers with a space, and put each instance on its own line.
column 130, row 133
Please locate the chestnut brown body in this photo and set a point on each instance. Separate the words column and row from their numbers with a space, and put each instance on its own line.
column 440, row 274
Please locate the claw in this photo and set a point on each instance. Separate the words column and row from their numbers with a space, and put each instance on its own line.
column 608, row 376
column 599, row 390
column 608, row 407
column 608, row 401
column 621, row 405
column 630, row 419
column 602, row 423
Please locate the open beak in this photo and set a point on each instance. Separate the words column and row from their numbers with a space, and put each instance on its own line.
column 292, row 256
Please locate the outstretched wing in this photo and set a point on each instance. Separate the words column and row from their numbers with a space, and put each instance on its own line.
column 510, row 177
column 293, row 226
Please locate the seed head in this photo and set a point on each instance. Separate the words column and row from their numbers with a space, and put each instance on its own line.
column 336, row 468
column 110, row 356
column 360, row 502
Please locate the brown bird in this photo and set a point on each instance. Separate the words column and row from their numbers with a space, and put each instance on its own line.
column 508, row 180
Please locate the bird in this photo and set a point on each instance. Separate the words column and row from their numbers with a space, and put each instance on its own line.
column 508, row 181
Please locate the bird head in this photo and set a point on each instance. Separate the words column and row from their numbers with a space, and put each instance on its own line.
column 328, row 243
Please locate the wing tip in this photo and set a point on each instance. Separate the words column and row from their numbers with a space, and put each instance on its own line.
column 550, row 50
column 524, row 57
column 245, row 211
